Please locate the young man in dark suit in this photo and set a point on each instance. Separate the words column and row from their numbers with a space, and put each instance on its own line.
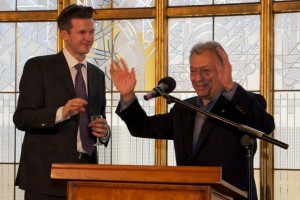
column 200, row 140
column 55, row 104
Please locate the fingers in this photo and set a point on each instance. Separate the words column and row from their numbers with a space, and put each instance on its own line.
column 224, row 56
column 99, row 127
column 73, row 107
column 224, row 70
column 117, row 66
column 124, row 64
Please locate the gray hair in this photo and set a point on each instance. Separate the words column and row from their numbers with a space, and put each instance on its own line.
column 207, row 46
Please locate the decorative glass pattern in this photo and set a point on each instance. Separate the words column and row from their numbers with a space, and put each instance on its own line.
column 189, row 2
column 98, row 4
column 133, row 3
column 7, row 57
column 238, row 35
column 34, row 39
column 7, row 5
column 183, row 34
column 287, row 117
column 37, row 5
column 131, row 39
column 235, row 1
column 207, row 2
column 287, row 105
column 287, row 51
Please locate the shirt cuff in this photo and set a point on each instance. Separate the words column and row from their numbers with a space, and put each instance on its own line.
column 107, row 137
column 126, row 104
column 229, row 94
column 59, row 118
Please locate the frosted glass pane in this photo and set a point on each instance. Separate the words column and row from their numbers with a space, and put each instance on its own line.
column 123, row 148
column 34, row 39
column 101, row 52
column 235, row 1
column 134, row 3
column 183, row 34
column 37, row 5
column 240, row 37
column 126, row 149
column 7, row 181
column 19, row 136
column 287, row 184
column 189, row 2
column 287, row 118
column 207, row 2
column 287, row 51
column 7, row 5
column 7, row 57
column 7, row 129
column 98, row 4
column 134, row 40
column 257, row 181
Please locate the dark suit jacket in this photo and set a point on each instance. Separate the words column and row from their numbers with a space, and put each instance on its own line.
column 46, row 85
column 218, row 143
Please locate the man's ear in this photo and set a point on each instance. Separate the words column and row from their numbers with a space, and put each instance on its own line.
column 64, row 34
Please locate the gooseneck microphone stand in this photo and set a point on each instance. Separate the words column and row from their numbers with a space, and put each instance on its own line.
column 246, row 141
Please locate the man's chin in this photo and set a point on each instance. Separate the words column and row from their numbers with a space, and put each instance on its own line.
column 201, row 94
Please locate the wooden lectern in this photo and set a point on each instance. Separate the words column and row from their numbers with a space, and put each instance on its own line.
column 132, row 182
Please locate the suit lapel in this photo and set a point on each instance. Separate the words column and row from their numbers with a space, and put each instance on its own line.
column 60, row 65
column 210, row 123
column 205, row 131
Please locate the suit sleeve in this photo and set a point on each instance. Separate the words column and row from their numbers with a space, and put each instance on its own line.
column 251, row 110
column 140, row 124
column 31, row 112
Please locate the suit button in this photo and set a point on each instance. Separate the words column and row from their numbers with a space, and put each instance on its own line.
column 238, row 107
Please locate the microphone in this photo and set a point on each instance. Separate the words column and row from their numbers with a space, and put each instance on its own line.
column 165, row 85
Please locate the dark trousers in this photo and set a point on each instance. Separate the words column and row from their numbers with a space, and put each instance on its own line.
column 30, row 195
column 37, row 196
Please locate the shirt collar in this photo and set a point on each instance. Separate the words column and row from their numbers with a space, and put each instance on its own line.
column 211, row 103
column 71, row 60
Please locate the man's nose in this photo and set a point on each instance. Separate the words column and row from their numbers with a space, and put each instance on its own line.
column 199, row 75
column 89, row 37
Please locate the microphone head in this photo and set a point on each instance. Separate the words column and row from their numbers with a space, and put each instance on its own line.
column 168, row 81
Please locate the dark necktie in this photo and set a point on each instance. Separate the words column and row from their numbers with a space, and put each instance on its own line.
column 86, row 136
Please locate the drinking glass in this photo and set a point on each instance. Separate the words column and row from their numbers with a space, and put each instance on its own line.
column 94, row 117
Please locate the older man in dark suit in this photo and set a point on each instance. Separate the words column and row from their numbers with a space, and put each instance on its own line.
column 200, row 140
column 58, row 94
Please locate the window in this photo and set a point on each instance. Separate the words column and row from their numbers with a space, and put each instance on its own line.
column 137, row 30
